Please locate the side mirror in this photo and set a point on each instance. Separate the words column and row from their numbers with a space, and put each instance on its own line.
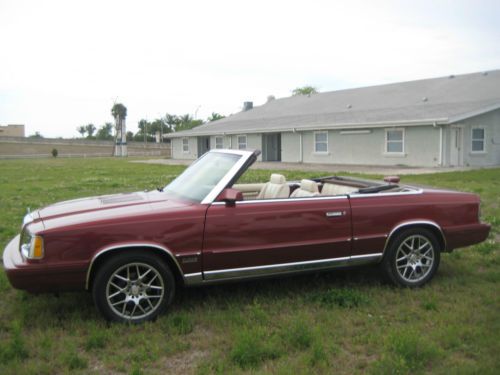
column 392, row 179
column 230, row 196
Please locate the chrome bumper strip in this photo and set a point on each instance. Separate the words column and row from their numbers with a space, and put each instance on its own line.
column 277, row 269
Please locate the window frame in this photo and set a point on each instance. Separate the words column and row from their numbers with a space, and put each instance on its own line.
column 185, row 150
column 222, row 142
column 472, row 139
column 240, row 143
column 315, row 143
column 403, row 136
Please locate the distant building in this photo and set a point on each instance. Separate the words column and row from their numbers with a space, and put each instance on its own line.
column 448, row 121
column 12, row 131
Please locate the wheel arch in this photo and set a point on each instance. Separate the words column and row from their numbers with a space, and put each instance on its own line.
column 433, row 227
column 103, row 255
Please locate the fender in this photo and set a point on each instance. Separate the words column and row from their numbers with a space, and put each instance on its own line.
column 129, row 245
column 414, row 223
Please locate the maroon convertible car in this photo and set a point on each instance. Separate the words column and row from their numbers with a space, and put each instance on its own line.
column 131, row 250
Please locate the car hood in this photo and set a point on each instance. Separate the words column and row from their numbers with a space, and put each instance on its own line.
column 98, row 203
column 106, row 207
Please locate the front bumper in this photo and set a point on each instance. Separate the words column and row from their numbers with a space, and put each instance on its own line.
column 37, row 276
column 21, row 274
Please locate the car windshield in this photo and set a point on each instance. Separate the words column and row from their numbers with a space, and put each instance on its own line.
column 201, row 177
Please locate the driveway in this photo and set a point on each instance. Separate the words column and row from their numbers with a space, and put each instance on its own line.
column 331, row 168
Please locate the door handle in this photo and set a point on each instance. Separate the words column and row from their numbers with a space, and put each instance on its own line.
column 335, row 213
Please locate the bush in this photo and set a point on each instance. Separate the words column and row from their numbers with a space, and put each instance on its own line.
column 55, row 152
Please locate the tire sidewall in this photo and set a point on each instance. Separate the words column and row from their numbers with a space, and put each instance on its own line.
column 389, row 262
column 119, row 260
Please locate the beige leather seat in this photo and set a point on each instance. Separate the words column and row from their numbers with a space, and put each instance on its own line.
column 333, row 189
column 275, row 188
column 307, row 188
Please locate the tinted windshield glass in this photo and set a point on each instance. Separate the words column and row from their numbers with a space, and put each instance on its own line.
column 202, row 176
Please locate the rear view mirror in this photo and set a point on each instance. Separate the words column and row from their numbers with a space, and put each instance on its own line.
column 230, row 196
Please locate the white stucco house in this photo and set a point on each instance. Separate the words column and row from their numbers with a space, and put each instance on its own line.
column 448, row 121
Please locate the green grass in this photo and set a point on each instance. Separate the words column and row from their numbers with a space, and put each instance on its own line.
column 347, row 322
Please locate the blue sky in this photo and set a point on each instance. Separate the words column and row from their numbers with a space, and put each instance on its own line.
column 64, row 63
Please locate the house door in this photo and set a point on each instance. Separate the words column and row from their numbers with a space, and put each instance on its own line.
column 203, row 145
column 456, row 147
column 271, row 147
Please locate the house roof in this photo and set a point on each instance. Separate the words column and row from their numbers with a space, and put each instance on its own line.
column 442, row 100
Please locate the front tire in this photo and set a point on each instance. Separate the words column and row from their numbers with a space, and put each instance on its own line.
column 133, row 287
column 412, row 258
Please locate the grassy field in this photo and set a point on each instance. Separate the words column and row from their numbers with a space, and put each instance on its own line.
column 343, row 322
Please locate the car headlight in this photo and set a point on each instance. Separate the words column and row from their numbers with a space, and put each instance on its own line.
column 31, row 245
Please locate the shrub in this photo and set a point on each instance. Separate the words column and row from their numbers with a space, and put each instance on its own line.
column 55, row 152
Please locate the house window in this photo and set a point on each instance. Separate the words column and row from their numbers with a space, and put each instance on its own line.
column 478, row 140
column 321, row 142
column 394, row 141
column 219, row 142
column 242, row 142
column 185, row 145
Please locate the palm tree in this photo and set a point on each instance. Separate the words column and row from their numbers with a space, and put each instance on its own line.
column 81, row 130
column 215, row 116
column 119, row 112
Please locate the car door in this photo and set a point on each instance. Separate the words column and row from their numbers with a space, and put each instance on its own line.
column 260, row 237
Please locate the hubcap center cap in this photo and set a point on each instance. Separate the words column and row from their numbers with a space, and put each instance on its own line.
column 134, row 290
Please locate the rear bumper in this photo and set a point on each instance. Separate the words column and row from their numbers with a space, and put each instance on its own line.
column 39, row 277
column 466, row 235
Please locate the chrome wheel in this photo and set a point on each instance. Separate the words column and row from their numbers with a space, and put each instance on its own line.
column 415, row 257
column 135, row 291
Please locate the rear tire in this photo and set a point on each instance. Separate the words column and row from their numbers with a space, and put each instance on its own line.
column 133, row 287
column 412, row 258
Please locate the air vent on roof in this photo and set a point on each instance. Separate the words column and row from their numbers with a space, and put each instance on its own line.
column 270, row 98
column 485, row 73
column 424, row 99
column 349, row 106
column 247, row 106
column 451, row 76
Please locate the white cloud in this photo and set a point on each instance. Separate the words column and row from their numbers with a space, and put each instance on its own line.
column 62, row 64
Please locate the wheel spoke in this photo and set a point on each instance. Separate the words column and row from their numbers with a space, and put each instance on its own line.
column 119, row 302
column 122, row 278
column 115, row 294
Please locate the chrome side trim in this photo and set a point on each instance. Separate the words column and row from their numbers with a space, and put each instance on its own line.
column 245, row 155
column 279, row 200
column 124, row 246
column 410, row 223
column 382, row 194
column 191, row 279
column 287, row 268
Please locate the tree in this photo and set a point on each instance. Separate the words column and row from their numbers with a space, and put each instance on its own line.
column 172, row 121
column 90, row 129
column 36, row 135
column 105, row 131
column 119, row 111
column 130, row 136
column 81, row 130
column 305, row 90
column 186, row 122
column 215, row 116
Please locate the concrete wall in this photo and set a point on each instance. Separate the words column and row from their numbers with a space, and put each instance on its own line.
column 490, row 122
column 421, row 145
column 254, row 141
column 421, row 148
column 34, row 147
